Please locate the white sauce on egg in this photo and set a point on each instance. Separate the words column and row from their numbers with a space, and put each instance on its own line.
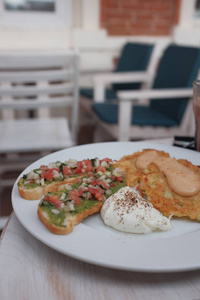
column 127, row 211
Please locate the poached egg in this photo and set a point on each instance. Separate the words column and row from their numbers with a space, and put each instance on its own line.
column 129, row 212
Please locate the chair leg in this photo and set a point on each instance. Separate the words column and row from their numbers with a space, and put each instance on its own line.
column 3, row 219
column 101, row 135
column 86, row 114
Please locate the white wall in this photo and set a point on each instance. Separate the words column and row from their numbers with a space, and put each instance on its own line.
column 95, row 47
column 187, row 32
column 19, row 39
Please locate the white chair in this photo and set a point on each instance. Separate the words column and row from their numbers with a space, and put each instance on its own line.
column 32, row 88
column 126, row 99
column 134, row 61
column 168, row 111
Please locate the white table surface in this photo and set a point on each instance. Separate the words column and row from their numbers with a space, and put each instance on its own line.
column 31, row 270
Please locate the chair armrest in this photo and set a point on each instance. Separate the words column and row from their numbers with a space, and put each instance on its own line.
column 101, row 80
column 126, row 99
column 155, row 94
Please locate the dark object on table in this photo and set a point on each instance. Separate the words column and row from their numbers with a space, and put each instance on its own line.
column 184, row 142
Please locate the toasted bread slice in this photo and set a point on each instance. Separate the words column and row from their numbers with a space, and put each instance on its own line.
column 69, row 221
column 36, row 192
column 39, row 182
column 60, row 211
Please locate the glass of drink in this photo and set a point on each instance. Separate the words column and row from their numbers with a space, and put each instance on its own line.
column 196, row 107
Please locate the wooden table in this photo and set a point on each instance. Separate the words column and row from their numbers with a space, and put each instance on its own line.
column 31, row 270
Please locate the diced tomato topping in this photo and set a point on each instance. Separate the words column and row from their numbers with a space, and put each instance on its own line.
column 31, row 180
column 88, row 164
column 74, row 195
column 93, row 182
column 76, row 200
column 109, row 160
column 53, row 200
column 112, row 184
column 47, row 174
column 47, row 198
column 120, row 178
column 76, row 192
column 80, row 164
column 93, row 190
column 98, row 196
column 80, row 191
column 78, row 170
column 43, row 167
column 101, row 169
column 96, row 192
column 104, row 185
column 65, row 170
column 89, row 168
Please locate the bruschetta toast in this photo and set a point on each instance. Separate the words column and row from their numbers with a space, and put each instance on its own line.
column 37, row 191
column 39, row 182
column 60, row 211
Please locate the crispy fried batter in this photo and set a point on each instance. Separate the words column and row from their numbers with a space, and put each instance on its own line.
column 128, row 164
column 154, row 185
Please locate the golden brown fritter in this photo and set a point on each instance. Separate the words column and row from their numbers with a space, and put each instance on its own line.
column 153, row 184
column 155, row 187
column 128, row 164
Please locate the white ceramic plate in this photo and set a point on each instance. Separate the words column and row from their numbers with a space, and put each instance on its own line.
column 93, row 242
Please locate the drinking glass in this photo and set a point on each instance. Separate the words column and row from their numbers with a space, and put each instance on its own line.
column 196, row 107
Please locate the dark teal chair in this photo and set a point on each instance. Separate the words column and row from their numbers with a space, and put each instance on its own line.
column 134, row 57
column 178, row 69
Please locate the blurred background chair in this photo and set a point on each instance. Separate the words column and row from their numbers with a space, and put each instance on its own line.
column 134, row 57
column 167, row 113
column 39, row 101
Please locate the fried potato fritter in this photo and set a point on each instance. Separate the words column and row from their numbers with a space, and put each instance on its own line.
column 128, row 164
column 155, row 187
column 153, row 184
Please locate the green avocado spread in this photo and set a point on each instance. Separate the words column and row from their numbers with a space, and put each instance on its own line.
column 58, row 219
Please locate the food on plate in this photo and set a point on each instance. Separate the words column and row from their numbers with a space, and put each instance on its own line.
column 73, row 190
column 37, row 191
column 129, row 212
column 60, row 211
column 172, row 186
column 181, row 179
column 128, row 164
column 39, row 182
column 155, row 186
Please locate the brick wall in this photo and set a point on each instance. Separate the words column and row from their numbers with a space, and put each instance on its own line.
column 139, row 17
